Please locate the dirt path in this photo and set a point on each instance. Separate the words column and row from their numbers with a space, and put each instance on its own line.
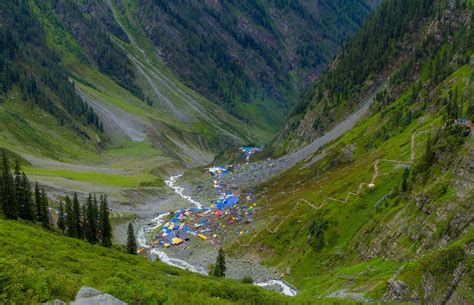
column 349, row 194
column 413, row 146
column 371, row 184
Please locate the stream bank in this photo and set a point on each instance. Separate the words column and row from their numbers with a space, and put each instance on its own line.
column 196, row 256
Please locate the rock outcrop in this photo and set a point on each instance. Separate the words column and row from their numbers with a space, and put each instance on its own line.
column 90, row 296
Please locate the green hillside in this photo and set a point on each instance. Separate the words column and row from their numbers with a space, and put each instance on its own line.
column 118, row 97
column 116, row 108
column 37, row 266
column 388, row 36
column 384, row 212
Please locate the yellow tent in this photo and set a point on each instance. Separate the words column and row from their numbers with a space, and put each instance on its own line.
column 202, row 236
column 176, row 241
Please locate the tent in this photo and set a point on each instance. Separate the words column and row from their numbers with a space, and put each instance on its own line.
column 176, row 241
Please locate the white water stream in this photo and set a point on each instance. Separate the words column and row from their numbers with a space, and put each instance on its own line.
column 180, row 191
column 285, row 289
column 154, row 253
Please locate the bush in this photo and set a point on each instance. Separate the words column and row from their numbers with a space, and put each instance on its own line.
column 247, row 279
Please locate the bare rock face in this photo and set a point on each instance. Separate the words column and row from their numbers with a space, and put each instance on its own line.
column 91, row 296
column 399, row 291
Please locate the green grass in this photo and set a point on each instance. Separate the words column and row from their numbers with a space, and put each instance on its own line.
column 29, row 130
column 98, row 178
column 131, row 149
column 358, row 226
column 37, row 266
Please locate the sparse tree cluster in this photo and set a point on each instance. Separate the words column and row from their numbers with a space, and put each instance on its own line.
column 15, row 196
column 91, row 222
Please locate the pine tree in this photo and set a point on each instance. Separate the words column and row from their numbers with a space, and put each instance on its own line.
column 105, row 227
column 26, row 210
column 45, row 222
column 90, row 229
column 61, row 217
column 429, row 153
column 131, row 240
column 76, row 217
column 406, row 173
column 220, row 267
column 2, row 188
column 37, row 202
column 9, row 202
column 71, row 229
column 84, row 224
column 95, row 217
column 19, row 195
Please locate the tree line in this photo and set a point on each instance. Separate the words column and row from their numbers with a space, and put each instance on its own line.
column 91, row 222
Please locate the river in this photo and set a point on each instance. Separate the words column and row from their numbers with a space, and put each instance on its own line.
column 155, row 253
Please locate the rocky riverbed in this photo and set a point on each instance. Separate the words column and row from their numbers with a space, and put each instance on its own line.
column 196, row 255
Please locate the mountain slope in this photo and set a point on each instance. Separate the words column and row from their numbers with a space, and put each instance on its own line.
column 385, row 41
column 67, row 264
column 253, row 57
column 100, row 86
column 87, row 118
column 385, row 211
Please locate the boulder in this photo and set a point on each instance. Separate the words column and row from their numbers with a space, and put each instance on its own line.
column 91, row 296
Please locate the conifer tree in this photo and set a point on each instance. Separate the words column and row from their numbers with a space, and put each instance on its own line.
column 131, row 240
column 76, row 217
column 220, row 267
column 2, row 188
column 406, row 173
column 71, row 228
column 19, row 195
column 37, row 202
column 9, row 203
column 95, row 217
column 84, row 223
column 61, row 217
column 45, row 222
column 90, row 229
column 105, row 227
column 429, row 154
column 26, row 210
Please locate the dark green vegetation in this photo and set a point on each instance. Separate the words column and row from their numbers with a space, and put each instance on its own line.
column 382, row 45
column 37, row 266
column 254, row 57
column 17, row 202
column 386, row 214
column 220, row 268
column 27, row 63
column 131, row 240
